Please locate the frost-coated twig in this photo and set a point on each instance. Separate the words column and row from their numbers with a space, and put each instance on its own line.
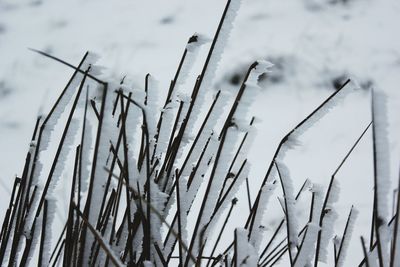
column 288, row 222
column 381, row 174
column 102, row 242
column 344, row 243
column 43, row 235
column 330, row 188
column 283, row 141
column 365, row 252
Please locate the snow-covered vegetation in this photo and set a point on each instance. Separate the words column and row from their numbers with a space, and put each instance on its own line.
column 155, row 179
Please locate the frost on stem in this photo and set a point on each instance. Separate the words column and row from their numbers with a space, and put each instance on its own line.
column 99, row 175
column 245, row 253
column 345, row 240
column 257, row 232
column 307, row 248
column 290, row 206
column 328, row 222
column 214, row 56
column 324, row 109
column 190, row 55
column 382, row 171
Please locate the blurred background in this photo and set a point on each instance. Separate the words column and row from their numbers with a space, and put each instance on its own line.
column 315, row 45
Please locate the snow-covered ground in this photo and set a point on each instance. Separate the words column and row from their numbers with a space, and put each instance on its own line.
column 315, row 45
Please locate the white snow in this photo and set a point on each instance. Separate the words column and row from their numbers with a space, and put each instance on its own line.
column 246, row 253
column 310, row 43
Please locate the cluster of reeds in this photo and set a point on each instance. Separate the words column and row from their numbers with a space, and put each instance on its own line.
column 152, row 187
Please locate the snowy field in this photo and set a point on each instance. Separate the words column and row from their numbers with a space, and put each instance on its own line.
column 315, row 45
